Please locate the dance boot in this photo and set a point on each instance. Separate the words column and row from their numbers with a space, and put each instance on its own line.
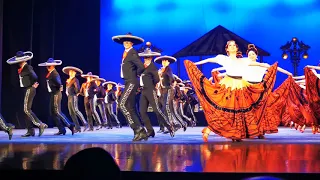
column 60, row 133
column 151, row 134
column 42, row 127
column 261, row 136
column 29, row 133
column 140, row 134
column 86, row 127
column 9, row 132
column 72, row 128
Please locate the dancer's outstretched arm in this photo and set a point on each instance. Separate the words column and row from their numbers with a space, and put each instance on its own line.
column 210, row 60
column 313, row 67
column 265, row 65
column 218, row 69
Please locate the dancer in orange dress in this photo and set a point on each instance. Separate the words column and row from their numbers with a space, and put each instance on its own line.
column 313, row 94
column 230, row 106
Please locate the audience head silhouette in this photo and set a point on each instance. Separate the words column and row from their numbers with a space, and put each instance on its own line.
column 93, row 161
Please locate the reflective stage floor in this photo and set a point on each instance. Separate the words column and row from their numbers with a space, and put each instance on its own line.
column 287, row 151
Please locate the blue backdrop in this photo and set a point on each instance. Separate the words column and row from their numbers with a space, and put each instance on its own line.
column 172, row 25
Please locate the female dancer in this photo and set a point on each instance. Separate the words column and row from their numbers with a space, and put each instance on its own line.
column 230, row 106
column 72, row 89
column 166, row 82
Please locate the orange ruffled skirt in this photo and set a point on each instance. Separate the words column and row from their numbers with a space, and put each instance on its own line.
column 232, row 112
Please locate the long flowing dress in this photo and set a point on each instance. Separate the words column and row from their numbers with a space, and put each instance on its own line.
column 230, row 106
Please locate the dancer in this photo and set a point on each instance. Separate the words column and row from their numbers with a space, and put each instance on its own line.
column 166, row 88
column 109, row 100
column 178, row 120
column 72, row 89
column 55, row 87
column 6, row 127
column 131, row 68
column 118, row 94
column 88, row 91
column 101, row 94
column 148, row 81
column 29, row 82
column 228, row 109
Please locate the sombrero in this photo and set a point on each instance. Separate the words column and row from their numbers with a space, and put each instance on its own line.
column 109, row 82
column 51, row 62
column 100, row 79
column 68, row 68
column 128, row 37
column 186, row 87
column 89, row 74
column 161, row 58
column 20, row 57
column 148, row 53
column 176, row 78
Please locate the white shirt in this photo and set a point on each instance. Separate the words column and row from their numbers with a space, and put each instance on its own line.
column 315, row 72
column 233, row 67
column 121, row 73
column 254, row 73
column 20, row 78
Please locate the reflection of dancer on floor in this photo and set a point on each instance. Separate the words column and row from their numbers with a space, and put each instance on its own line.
column 189, row 103
column 72, row 89
column 29, row 83
column 110, row 100
column 55, row 87
column 228, row 110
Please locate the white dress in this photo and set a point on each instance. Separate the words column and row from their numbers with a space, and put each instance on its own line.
column 254, row 74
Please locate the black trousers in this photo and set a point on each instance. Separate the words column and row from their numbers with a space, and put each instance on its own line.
column 89, row 110
column 3, row 124
column 102, row 109
column 32, row 119
column 128, row 104
column 109, row 110
column 149, row 96
column 55, row 112
column 167, row 105
column 74, row 111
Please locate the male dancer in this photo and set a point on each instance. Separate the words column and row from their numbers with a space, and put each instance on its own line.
column 148, row 81
column 131, row 68
column 6, row 127
column 28, row 81
column 109, row 100
column 101, row 94
column 55, row 87
column 88, row 91
column 72, row 89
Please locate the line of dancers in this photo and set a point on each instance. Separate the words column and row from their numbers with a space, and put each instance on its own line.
column 172, row 100
column 241, row 102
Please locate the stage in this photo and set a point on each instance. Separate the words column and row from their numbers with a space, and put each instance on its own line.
column 287, row 151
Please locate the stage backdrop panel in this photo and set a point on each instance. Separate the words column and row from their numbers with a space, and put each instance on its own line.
column 172, row 25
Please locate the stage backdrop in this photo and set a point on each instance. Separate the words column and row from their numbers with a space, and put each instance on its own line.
column 62, row 29
column 172, row 25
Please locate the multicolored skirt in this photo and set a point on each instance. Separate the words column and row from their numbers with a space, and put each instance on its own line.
column 231, row 106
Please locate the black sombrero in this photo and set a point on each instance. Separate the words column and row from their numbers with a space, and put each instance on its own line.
column 20, row 57
column 100, row 79
column 148, row 53
column 51, row 62
column 177, row 79
column 128, row 37
column 162, row 58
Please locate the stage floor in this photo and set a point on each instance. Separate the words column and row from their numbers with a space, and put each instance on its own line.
column 287, row 151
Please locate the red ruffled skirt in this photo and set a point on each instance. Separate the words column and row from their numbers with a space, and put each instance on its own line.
column 232, row 113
